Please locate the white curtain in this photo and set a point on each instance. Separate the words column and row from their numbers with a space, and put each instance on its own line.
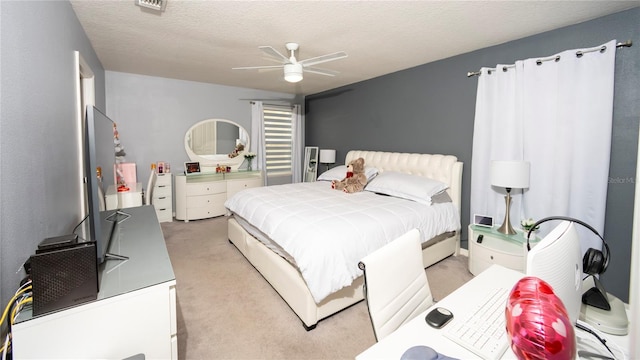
column 556, row 113
column 297, row 145
column 257, row 137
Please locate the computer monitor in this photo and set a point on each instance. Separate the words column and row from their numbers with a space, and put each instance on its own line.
column 557, row 259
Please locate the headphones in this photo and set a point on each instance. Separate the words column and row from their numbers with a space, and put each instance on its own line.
column 594, row 261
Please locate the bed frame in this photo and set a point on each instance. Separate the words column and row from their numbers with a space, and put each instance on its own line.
column 287, row 280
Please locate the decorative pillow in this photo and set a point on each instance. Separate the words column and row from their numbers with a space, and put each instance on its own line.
column 339, row 172
column 406, row 186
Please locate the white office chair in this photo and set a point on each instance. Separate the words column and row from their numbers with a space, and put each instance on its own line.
column 396, row 287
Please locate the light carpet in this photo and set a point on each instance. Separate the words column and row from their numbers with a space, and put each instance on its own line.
column 226, row 310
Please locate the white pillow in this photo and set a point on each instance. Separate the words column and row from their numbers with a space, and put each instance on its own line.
column 340, row 172
column 406, row 186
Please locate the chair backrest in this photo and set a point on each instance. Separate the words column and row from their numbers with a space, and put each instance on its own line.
column 396, row 286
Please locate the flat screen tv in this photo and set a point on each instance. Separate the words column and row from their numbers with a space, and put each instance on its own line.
column 99, row 154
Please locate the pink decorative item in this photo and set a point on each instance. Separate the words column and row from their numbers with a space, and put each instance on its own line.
column 538, row 323
column 125, row 173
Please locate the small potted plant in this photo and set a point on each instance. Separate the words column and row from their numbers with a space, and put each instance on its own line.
column 249, row 157
column 527, row 225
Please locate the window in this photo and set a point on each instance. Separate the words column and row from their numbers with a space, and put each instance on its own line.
column 278, row 139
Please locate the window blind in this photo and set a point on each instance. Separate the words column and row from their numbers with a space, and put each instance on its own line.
column 278, row 139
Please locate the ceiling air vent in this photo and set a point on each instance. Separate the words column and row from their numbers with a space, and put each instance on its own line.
column 158, row 5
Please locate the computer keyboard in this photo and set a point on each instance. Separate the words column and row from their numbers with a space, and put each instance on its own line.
column 483, row 330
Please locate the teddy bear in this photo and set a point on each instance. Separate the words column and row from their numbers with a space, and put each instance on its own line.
column 239, row 148
column 355, row 179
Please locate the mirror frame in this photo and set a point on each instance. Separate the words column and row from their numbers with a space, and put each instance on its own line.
column 219, row 159
column 310, row 164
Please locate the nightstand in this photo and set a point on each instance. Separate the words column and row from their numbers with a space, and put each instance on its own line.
column 487, row 247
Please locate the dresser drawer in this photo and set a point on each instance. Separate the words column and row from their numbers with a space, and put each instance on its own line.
column 160, row 191
column 206, row 212
column 233, row 186
column 205, row 200
column 206, row 188
column 163, row 179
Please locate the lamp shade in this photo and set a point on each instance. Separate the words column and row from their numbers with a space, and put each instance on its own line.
column 293, row 73
column 327, row 156
column 510, row 174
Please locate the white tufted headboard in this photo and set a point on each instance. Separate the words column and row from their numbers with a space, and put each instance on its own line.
column 445, row 168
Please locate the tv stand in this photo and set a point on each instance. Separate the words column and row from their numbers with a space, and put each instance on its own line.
column 110, row 256
column 134, row 313
column 114, row 218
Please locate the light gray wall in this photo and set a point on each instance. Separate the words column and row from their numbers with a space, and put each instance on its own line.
column 430, row 109
column 154, row 113
column 39, row 189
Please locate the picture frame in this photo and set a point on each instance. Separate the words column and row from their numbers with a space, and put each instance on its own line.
column 191, row 167
column 483, row 220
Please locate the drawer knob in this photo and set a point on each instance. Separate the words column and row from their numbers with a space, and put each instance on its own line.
column 491, row 257
column 480, row 238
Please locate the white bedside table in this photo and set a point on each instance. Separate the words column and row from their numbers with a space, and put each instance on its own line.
column 487, row 247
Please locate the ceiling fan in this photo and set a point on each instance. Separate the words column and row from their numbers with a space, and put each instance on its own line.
column 293, row 69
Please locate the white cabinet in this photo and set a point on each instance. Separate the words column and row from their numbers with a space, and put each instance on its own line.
column 162, row 197
column 135, row 312
column 487, row 247
column 203, row 196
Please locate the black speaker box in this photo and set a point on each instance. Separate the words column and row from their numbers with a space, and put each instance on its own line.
column 64, row 277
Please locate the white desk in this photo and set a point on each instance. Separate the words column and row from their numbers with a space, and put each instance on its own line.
column 123, row 199
column 417, row 332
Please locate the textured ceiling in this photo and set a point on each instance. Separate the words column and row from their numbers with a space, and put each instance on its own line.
column 202, row 40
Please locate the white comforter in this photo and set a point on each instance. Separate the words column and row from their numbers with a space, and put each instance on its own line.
column 327, row 232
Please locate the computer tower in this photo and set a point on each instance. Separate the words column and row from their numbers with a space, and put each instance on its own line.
column 64, row 277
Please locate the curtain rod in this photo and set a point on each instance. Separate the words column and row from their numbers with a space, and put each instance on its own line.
column 627, row 43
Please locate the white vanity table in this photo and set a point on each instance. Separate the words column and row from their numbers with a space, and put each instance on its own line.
column 202, row 196
column 213, row 143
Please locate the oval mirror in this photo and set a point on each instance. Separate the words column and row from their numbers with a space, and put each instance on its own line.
column 213, row 142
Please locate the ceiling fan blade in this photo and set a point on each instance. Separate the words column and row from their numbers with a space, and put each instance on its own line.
column 323, row 58
column 258, row 67
column 316, row 70
column 274, row 53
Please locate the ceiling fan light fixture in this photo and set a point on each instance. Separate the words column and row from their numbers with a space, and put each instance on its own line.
column 293, row 73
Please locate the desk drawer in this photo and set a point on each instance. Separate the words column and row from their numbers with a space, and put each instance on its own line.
column 164, row 214
column 206, row 188
column 160, row 191
column 163, row 179
column 164, row 202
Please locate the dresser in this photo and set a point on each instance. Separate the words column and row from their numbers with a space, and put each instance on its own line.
column 162, row 197
column 202, row 196
column 134, row 313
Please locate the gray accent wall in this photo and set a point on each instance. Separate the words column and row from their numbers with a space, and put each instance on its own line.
column 39, row 181
column 430, row 109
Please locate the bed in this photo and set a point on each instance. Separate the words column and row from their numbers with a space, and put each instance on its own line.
column 293, row 280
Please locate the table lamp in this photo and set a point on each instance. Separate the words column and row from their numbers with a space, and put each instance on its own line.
column 509, row 175
column 327, row 156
